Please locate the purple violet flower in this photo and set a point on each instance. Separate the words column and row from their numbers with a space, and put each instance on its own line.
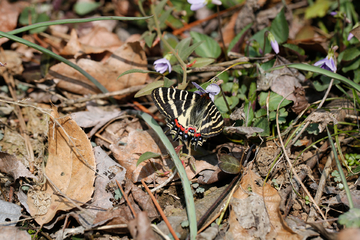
column 213, row 90
column 197, row 4
column 273, row 42
column 350, row 36
column 327, row 63
column 161, row 65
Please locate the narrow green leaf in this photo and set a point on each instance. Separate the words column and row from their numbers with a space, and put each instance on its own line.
column 168, row 82
column 189, row 198
column 159, row 7
column 134, row 70
column 209, row 48
column 164, row 15
column 184, row 53
column 83, row 8
column 202, row 62
column 72, row 21
column 172, row 41
column 295, row 48
column 147, row 155
column 311, row 68
column 57, row 57
column 279, row 27
column 148, row 88
column 237, row 37
column 149, row 38
column 183, row 44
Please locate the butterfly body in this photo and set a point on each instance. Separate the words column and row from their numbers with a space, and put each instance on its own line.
column 190, row 116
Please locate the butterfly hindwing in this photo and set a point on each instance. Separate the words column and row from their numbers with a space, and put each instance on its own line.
column 212, row 123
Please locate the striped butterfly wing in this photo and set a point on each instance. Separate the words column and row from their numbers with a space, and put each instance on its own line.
column 173, row 102
column 190, row 116
column 212, row 123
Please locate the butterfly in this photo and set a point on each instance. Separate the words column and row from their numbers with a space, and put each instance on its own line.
column 191, row 117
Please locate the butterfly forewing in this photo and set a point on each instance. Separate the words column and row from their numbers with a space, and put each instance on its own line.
column 173, row 102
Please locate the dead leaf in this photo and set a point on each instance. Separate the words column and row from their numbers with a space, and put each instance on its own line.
column 349, row 233
column 70, row 167
column 141, row 199
column 135, row 144
column 322, row 117
column 14, row 233
column 109, row 171
column 95, row 117
column 247, row 131
column 129, row 56
column 96, row 38
column 9, row 164
column 9, row 14
column 301, row 102
column 140, row 227
column 286, row 80
column 13, row 62
column 250, row 219
column 9, row 212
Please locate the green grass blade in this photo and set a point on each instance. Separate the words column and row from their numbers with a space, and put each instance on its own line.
column 189, row 198
column 319, row 70
column 71, row 21
column 342, row 175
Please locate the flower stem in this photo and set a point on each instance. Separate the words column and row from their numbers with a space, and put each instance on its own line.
column 220, row 32
column 183, row 65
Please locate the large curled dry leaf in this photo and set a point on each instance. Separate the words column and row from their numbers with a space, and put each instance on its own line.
column 249, row 219
column 129, row 56
column 70, row 167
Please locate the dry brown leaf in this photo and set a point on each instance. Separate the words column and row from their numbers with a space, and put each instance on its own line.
column 9, row 16
column 126, row 57
column 137, row 143
column 13, row 233
column 9, row 164
column 13, row 62
column 70, row 167
column 140, row 227
column 96, row 38
column 73, row 46
column 249, row 219
column 229, row 29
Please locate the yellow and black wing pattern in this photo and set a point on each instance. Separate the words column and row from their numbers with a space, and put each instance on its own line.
column 190, row 116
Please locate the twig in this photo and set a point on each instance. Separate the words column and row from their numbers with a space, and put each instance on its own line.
column 101, row 95
column 213, row 68
column 322, row 184
column 170, row 178
column 290, row 164
column 160, row 210
column 126, row 199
